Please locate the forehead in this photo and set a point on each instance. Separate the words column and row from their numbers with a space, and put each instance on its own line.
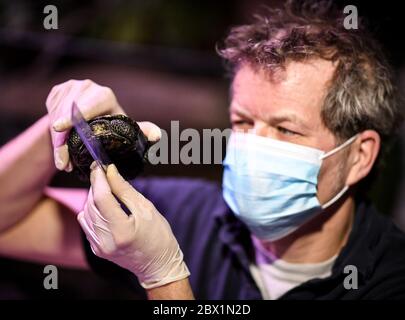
column 298, row 89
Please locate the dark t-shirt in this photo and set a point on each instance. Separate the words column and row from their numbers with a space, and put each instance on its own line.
column 218, row 250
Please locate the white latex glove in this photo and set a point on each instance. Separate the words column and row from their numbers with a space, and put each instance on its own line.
column 93, row 100
column 142, row 242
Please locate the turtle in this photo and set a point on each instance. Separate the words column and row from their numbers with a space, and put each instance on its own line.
column 123, row 140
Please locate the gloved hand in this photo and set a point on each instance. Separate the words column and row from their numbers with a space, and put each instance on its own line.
column 142, row 242
column 93, row 100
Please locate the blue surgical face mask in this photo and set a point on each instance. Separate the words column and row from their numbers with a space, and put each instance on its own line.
column 271, row 185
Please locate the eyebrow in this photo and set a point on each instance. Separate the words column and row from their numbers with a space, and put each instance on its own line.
column 289, row 117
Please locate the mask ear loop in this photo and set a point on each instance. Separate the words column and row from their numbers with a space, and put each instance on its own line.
column 335, row 198
column 345, row 188
column 342, row 146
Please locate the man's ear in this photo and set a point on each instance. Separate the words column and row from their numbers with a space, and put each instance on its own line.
column 363, row 154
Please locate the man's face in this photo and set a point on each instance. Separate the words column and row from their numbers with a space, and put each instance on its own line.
column 287, row 107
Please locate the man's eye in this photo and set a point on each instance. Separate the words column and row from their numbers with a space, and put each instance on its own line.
column 286, row 131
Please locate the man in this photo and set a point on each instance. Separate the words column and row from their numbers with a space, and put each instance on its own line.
column 317, row 104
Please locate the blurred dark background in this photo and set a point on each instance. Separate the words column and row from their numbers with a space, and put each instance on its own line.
column 159, row 58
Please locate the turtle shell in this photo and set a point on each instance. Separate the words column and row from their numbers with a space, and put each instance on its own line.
column 123, row 140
